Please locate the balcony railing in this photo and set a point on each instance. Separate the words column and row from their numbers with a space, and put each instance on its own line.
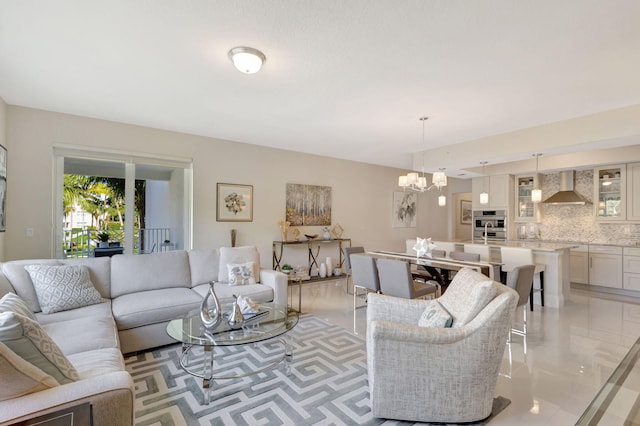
column 82, row 242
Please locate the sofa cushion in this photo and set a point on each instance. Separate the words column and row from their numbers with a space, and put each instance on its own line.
column 20, row 377
column 154, row 306
column 97, row 362
column 435, row 316
column 468, row 293
column 131, row 273
column 230, row 255
column 240, row 273
column 63, row 287
column 83, row 334
column 99, row 272
column 204, row 266
column 28, row 340
column 11, row 302
column 98, row 310
column 21, row 281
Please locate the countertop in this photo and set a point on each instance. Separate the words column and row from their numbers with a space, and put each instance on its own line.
column 531, row 244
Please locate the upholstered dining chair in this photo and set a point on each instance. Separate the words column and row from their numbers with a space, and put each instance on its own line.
column 520, row 278
column 364, row 274
column 482, row 250
column 348, row 251
column 461, row 255
column 396, row 280
column 518, row 256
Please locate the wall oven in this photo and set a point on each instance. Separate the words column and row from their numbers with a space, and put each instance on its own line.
column 491, row 222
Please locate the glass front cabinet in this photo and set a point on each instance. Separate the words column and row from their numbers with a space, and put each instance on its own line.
column 610, row 193
column 525, row 209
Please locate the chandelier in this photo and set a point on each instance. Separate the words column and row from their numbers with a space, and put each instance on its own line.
column 418, row 181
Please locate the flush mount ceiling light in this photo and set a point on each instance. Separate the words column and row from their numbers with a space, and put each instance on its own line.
column 247, row 59
column 418, row 182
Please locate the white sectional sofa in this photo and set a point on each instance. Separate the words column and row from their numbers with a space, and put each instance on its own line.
column 140, row 294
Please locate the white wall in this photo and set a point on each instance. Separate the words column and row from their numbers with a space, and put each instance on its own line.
column 4, row 142
column 361, row 197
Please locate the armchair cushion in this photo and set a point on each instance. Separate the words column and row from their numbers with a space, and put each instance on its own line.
column 467, row 295
column 435, row 316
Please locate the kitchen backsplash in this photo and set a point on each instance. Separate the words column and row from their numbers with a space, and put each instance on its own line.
column 578, row 223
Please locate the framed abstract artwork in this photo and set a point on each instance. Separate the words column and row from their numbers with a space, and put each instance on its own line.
column 235, row 203
column 405, row 209
column 465, row 212
column 308, row 205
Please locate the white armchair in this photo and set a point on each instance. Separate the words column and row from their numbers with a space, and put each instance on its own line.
column 438, row 374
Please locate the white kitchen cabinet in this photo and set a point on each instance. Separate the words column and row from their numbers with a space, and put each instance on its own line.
column 605, row 266
column 633, row 188
column 526, row 210
column 499, row 188
column 631, row 268
column 610, row 193
column 579, row 265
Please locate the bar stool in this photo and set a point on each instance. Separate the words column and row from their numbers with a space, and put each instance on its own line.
column 518, row 256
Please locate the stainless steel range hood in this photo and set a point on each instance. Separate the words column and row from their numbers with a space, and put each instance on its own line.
column 567, row 194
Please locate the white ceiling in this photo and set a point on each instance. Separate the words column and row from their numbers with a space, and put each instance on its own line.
column 343, row 78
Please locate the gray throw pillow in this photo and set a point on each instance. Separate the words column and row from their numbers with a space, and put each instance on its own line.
column 60, row 288
column 435, row 316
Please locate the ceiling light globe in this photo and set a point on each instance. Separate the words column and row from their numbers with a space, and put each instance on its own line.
column 246, row 59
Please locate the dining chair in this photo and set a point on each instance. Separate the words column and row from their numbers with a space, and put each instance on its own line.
column 396, row 280
column 461, row 255
column 482, row 250
column 447, row 246
column 364, row 275
column 520, row 278
column 348, row 251
column 518, row 256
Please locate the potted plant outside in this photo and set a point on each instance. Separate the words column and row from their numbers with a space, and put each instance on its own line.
column 103, row 239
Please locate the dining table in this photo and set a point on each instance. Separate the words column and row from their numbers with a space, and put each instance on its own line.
column 490, row 269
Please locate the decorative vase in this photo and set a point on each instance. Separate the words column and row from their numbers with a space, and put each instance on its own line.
column 337, row 272
column 103, row 244
column 325, row 233
column 236, row 319
column 210, row 309
column 329, row 263
column 323, row 270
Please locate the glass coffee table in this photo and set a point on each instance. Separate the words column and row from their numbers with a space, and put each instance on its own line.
column 272, row 321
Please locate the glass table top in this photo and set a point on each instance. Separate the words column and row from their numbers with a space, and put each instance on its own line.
column 271, row 321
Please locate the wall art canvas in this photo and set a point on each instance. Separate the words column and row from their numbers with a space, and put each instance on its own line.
column 308, row 205
column 465, row 212
column 3, row 187
column 235, row 203
column 405, row 209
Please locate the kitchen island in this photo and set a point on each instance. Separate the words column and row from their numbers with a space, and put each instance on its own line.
column 555, row 257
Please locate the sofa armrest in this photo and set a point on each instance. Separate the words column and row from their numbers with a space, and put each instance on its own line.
column 111, row 396
column 278, row 282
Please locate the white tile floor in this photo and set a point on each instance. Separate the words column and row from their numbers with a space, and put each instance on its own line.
column 570, row 352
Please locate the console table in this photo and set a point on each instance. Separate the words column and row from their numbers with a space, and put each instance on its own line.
column 313, row 248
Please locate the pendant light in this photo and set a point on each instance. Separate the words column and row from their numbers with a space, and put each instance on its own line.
column 418, row 182
column 484, row 195
column 536, row 193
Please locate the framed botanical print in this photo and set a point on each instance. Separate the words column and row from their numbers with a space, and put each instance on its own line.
column 465, row 212
column 235, row 203
column 405, row 209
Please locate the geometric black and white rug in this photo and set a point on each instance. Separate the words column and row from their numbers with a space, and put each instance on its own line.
column 327, row 383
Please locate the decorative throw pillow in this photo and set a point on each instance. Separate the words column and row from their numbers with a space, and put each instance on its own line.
column 435, row 316
column 29, row 341
column 60, row 288
column 467, row 295
column 11, row 302
column 241, row 273
column 241, row 254
column 19, row 377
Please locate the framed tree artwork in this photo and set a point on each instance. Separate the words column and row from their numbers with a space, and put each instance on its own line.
column 405, row 209
column 235, row 203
